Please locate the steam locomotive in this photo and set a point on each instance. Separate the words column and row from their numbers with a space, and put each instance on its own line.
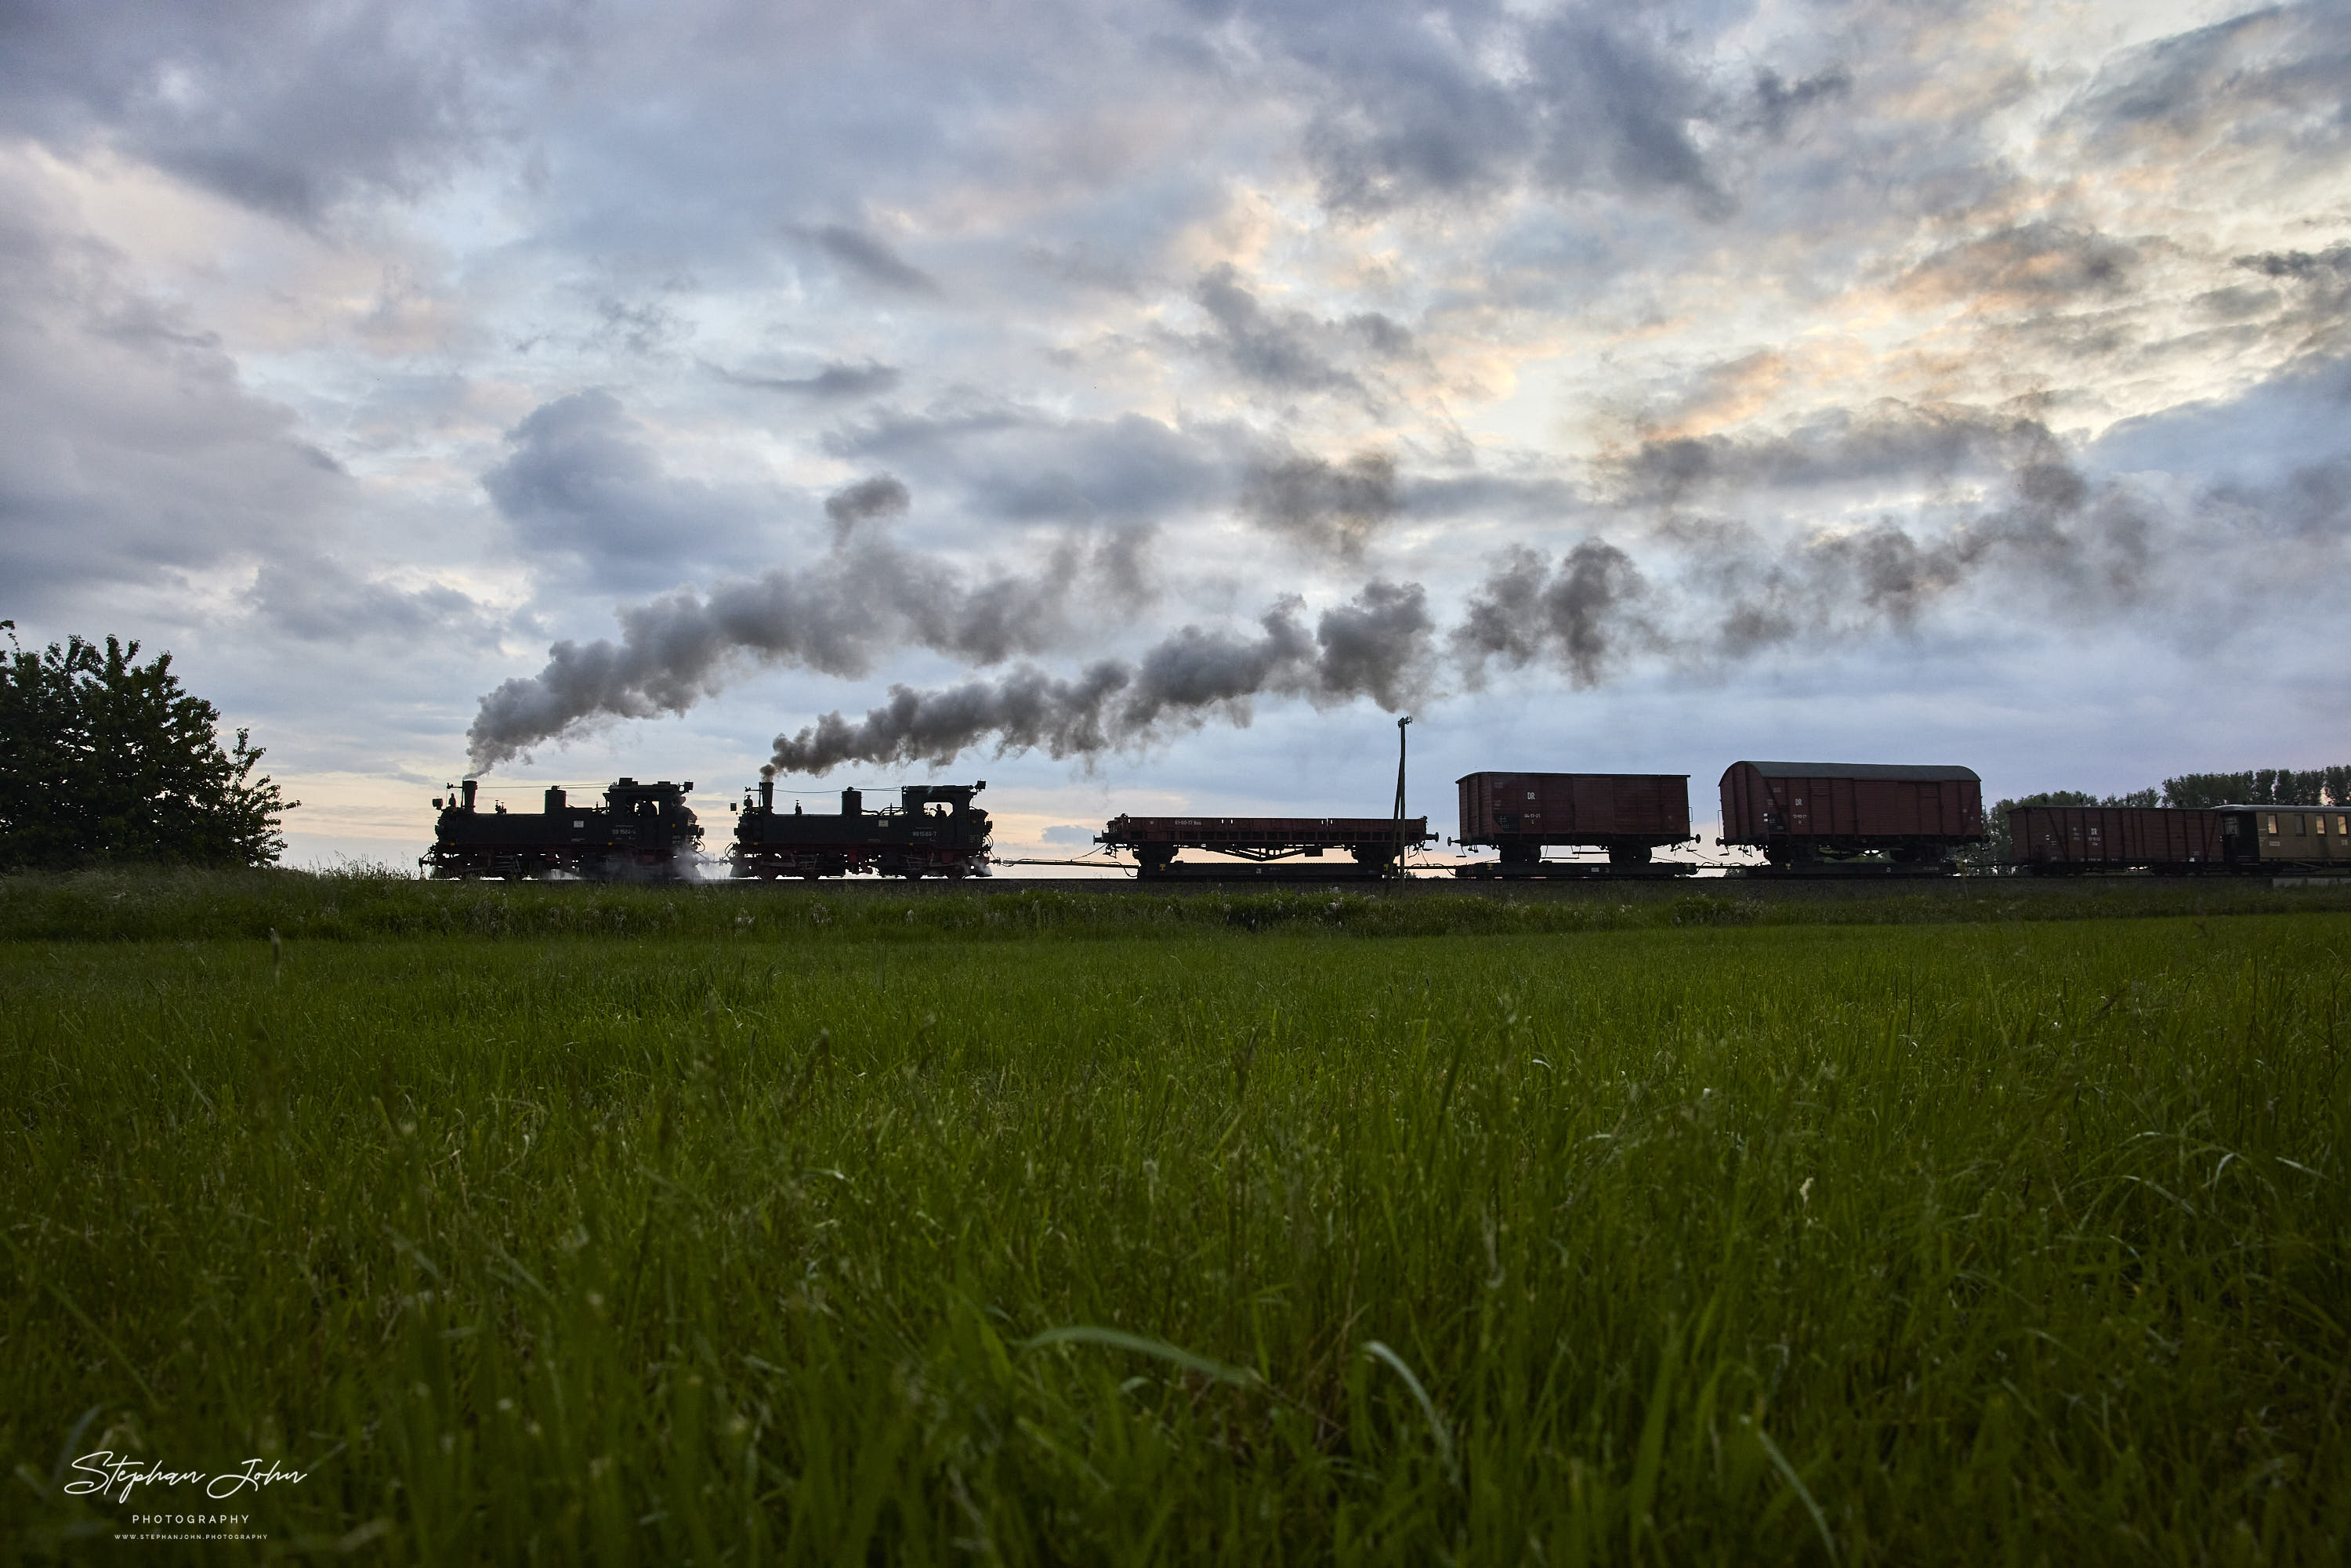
column 642, row 832
column 934, row 831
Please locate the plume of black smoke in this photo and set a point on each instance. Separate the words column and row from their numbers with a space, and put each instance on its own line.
column 1583, row 614
column 2068, row 552
column 1376, row 645
column 863, row 600
column 1713, row 591
column 1728, row 595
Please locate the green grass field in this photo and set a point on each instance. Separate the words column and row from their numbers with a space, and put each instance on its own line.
column 852, row 1230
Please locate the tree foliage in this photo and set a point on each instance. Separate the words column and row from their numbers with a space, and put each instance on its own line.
column 2262, row 786
column 106, row 759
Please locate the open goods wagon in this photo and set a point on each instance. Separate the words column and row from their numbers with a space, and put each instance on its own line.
column 934, row 831
column 641, row 833
column 1827, row 816
column 2059, row 841
column 1374, row 843
column 1628, row 814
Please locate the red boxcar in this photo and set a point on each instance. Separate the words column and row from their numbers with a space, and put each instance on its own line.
column 1628, row 814
column 1371, row 841
column 1809, row 811
column 2160, row 838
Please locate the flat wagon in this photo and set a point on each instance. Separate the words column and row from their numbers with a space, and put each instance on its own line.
column 1371, row 844
column 1628, row 814
column 1830, row 816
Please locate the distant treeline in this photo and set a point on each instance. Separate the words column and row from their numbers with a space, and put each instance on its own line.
column 2254, row 787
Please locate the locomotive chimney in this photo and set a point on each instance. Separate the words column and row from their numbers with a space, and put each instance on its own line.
column 852, row 804
column 555, row 799
column 767, row 796
column 469, row 786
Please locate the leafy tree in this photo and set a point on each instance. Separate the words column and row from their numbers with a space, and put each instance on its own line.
column 103, row 759
column 2262, row 786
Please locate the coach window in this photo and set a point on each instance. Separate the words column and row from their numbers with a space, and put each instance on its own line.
column 2269, row 823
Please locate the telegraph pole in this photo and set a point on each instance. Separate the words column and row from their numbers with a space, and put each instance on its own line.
column 1399, row 795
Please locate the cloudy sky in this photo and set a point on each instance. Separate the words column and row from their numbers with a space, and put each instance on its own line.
column 1139, row 405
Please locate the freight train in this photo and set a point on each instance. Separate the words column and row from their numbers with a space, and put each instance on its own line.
column 1808, row 818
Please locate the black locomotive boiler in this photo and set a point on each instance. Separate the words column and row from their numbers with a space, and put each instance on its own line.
column 641, row 833
column 934, row 831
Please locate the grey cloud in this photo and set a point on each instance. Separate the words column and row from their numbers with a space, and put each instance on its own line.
column 641, row 326
column 1616, row 101
column 873, row 261
column 1891, row 443
column 286, row 108
column 581, row 482
column 135, row 454
column 316, row 599
column 2033, row 265
column 2281, row 74
column 1329, row 507
column 2236, row 304
column 1413, row 111
column 1778, row 102
column 2301, row 265
column 883, row 495
column 1405, row 118
column 1273, row 348
column 1372, row 646
column 1289, row 350
column 1026, row 465
column 834, row 383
